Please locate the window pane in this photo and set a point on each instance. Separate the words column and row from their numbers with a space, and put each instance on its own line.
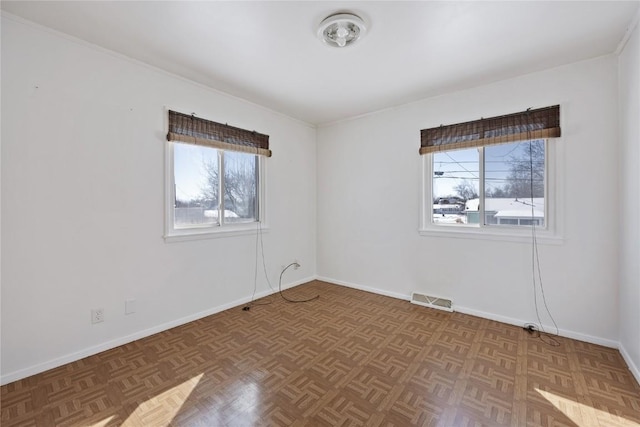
column 196, row 180
column 240, row 187
column 514, row 183
column 455, row 181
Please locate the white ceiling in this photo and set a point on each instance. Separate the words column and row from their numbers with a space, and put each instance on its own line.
column 268, row 52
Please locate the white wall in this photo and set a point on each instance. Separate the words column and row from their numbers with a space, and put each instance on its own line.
column 629, row 72
column 369, row 193
column 83, row 135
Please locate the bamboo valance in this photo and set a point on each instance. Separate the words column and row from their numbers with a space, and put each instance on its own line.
column 194, row 130
column 527, row 125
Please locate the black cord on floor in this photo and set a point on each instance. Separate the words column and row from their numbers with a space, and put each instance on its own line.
column 251, row 303
column 535, row 260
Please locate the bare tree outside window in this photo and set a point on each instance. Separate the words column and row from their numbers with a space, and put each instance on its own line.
column 240, row 179
column 199, row 182
column 526, row 171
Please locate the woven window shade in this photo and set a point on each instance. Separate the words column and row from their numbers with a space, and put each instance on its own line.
column 197, row 131
column 530, row 124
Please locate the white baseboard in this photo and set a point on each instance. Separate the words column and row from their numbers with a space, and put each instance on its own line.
column 90, row 351
column 550, row 329
column 632, row 366
column 503, row 319
column 365, row 288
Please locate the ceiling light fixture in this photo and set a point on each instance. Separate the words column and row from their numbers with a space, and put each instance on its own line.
column 342, row 29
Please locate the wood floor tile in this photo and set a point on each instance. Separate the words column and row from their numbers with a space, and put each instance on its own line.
column 348, row 358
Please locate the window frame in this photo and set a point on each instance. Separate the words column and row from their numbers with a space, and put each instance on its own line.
column 217, row 230
column 551, row 233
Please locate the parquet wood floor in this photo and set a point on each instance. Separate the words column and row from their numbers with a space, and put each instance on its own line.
column 349, row 358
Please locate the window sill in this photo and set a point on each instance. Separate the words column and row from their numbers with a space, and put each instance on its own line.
column 509, row 235
column 217, row 233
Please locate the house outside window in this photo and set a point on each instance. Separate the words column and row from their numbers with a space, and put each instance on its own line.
column 492, row 176
column 506, row 181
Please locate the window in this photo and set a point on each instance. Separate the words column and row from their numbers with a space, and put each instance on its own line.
column 507, row 181
column 214, row 178
column 198, row 183
column 491, row 176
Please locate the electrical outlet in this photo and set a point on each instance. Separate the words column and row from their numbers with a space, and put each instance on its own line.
column 130, row 306
column 97, row 315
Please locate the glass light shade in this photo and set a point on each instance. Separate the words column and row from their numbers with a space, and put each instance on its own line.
column 341, row 30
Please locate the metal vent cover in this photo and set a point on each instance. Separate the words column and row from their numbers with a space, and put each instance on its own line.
column 432, row 301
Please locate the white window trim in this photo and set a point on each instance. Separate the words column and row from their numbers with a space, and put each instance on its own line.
column 551, row 234
column 172, row 234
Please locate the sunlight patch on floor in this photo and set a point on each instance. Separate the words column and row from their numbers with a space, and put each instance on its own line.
column 161, row 409
column 583, row 415
column 102, row 423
